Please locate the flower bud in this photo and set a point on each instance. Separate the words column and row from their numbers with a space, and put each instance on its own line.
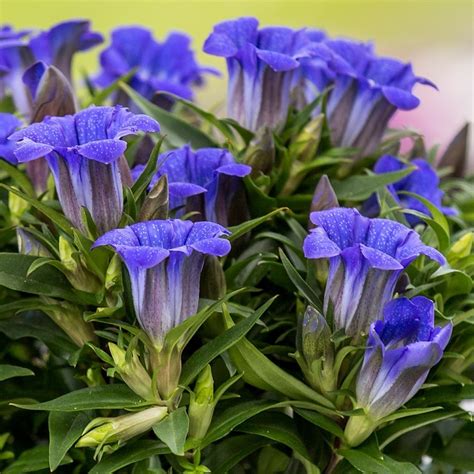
column 156, row 203
column 324, row 197
column 75, row 271
column 260, row 154
column 201, row 404
column 461, row 248
column 17, row 207
column 302, row 150
column 69, row 318
column 113, row 275
column 29, row 245
column 52, row 95
column 316, row 351
column 132, row 371
column 121, row 428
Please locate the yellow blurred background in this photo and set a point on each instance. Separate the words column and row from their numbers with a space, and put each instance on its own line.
column 437, row 36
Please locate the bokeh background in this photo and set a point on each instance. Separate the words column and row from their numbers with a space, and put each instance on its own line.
column 436, row 36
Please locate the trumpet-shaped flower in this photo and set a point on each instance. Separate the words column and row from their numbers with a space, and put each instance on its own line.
column 58, row 45
column 204, row 180
column 169, row 66
column 262, row 66
column 8, row 124
column 366, row 258
column 83, row 152
column 400, row 352
column 55, row 46
column 367, row 91
column 164, row 260
column 422, row 181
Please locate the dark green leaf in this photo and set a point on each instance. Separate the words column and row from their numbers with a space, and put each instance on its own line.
column 278, row 427
column 130, row 454
column 380, row 465
column 231, row 451
column 10, row 371
column 64, row 430
column 173, row 430
column 32, row 460
column 218, row 345
column 359, row 188
column 177, row 130
column 321, row 421
column 92, row 398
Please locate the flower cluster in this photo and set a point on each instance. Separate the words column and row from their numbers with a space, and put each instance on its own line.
column 267, row 66
column 157, row 67
column 150, row 259
column 366, row 258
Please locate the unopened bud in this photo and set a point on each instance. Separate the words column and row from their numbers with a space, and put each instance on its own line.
column 324, row 197
column 69, row 318
column 28, row 244
column 75, row 271
column 260, row 154
column 156, row 203
column 201, row 404
column 316, row 350
column 121, row 428
column 461, row 248
column 17, row 207
column 132, row 371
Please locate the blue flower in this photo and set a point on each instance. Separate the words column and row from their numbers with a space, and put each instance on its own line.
column 205, row 181
column 422, row 181
column 84, row 153
column 401, row 350
column 367, row 91
column 169, row 66
column 165, row 260
column 366, row 258
column 8, row 124
column 262, row 66
column 58, row 45
column 55, row 46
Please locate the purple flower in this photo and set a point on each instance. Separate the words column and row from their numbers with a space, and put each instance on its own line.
column 205, row 181
column 422, row 181
column 83, row 153
column 15, row 57
column 165, row 260
column 8, row 33
column 367, row 91
column 401, row 350
column 366, row 258
column 8, row 124
column 58, row 45
column 262, row 66
column 55, row 46
column 169, row 66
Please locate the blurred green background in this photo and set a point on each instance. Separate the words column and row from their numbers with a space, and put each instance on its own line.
column 437, row 36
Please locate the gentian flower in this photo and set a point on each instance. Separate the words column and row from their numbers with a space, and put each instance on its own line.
column 55, row 46
column 366, row 258
column 169, row 66
column 262, row 66
column 205, row 181
column 83, row 152
column 8, row 33
column 164, row 260
column 368, row 90
column 58, row 45
column 422, row 181
column 8, row 124
column 15, row 58
column 401, row 350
